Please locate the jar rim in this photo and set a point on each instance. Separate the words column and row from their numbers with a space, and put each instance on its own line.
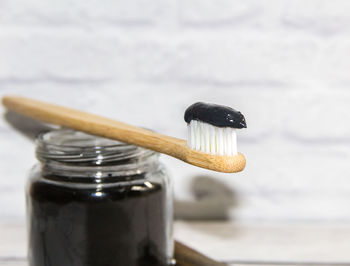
column 50, row 138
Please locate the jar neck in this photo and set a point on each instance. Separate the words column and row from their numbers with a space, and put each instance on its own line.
column 102, row 173
column 70, row 155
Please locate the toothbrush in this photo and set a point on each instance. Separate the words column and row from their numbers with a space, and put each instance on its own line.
column 211, row 143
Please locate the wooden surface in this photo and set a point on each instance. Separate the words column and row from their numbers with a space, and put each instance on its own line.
column 253, row 244
column 104, row 127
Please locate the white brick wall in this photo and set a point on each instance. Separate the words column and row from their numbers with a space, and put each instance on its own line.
column 284, row 64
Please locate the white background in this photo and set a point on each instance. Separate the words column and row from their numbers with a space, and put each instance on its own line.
column 284, row 64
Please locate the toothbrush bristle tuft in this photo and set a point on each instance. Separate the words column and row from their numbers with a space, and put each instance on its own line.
column 211, row 139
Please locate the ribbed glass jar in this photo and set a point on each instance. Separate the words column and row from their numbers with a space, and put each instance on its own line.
column 97, row 202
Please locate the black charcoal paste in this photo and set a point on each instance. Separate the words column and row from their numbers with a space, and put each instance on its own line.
column 86, row 227
column 216, row 115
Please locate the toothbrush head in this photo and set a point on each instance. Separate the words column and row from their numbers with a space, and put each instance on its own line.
column 212, row 130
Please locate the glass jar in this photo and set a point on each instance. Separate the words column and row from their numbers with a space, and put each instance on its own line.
column 97, row 202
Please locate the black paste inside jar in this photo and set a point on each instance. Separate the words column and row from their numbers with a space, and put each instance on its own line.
column 85, row 227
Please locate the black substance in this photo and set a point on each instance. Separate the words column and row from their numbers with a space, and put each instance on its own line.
column 216, row 115
column 116, row 226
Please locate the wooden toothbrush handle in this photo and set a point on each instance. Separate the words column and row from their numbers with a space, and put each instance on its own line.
column 186, row 256
column 95, row 125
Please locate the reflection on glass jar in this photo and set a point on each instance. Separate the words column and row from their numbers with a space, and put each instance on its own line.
column 97, row 202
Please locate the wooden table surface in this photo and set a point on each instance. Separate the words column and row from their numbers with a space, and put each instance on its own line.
column 236, row 244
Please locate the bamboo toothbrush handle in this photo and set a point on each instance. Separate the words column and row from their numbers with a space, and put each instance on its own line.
column 93, row 124
column 98, row 125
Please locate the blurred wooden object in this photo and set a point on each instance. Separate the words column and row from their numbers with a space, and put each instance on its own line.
column 186, row 256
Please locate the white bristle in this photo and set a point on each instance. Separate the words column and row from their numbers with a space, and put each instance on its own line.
column 224, row 142
column 207, row 138
column 220, row 139
column 202, row 136
column 196, row 136
column 228, row 141
column 211, row 139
